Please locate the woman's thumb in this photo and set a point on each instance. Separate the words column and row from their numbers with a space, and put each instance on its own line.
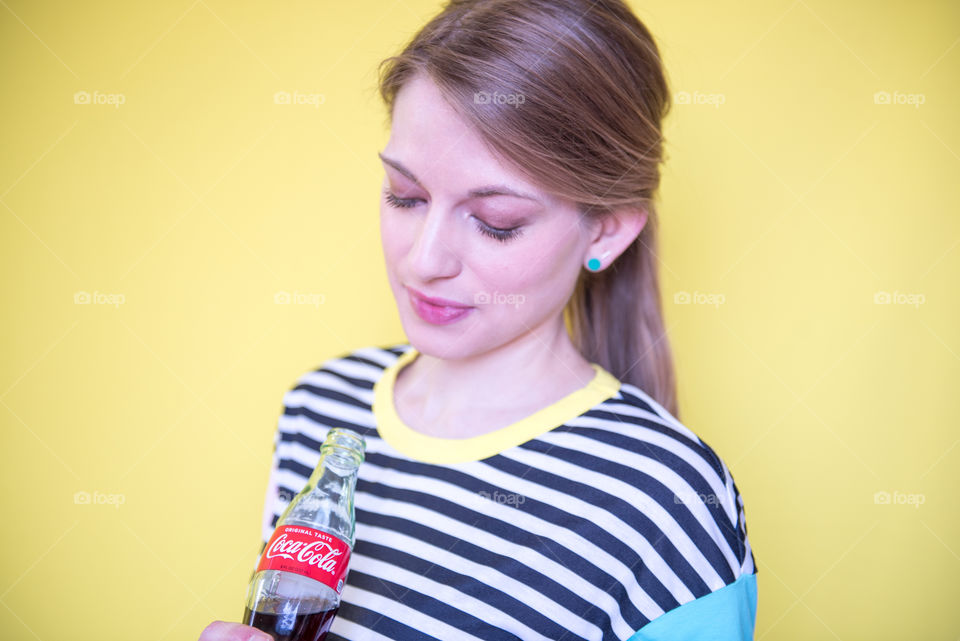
column 226, row 631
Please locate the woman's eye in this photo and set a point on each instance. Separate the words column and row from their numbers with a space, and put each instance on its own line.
column 394, row 201
column 502, row 235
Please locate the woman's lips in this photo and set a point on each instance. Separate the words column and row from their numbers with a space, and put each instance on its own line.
column 436, row 314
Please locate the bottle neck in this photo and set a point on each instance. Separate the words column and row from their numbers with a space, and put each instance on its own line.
column 336, row 460
column 343, row 449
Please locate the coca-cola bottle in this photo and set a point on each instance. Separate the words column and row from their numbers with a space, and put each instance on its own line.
column 295, row 592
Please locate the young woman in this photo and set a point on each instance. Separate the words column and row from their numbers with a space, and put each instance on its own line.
column 526, row 474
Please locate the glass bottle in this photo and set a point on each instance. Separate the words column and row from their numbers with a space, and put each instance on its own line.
column 294, row 594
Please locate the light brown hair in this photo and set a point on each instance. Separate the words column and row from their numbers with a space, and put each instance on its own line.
column 572, row 93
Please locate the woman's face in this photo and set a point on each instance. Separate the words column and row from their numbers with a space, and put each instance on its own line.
column 510, row 260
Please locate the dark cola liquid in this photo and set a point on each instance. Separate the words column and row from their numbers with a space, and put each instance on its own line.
column 296, row 626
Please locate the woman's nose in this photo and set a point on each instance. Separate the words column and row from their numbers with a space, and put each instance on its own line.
column 433, row 253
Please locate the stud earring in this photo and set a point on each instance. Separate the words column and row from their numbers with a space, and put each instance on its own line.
column 594, row 263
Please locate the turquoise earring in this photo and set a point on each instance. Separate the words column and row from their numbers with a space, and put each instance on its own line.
column 594, row 263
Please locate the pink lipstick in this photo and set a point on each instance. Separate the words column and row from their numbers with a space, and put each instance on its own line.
column 436, row 311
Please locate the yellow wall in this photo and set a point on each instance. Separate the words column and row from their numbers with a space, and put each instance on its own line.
column 793, row 203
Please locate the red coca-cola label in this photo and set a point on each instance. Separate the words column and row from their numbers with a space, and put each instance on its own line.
column 306, row 551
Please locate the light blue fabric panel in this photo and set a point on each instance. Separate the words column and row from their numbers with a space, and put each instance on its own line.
column 727, row 614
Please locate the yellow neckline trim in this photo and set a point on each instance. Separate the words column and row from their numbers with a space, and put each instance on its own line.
column 434, row 449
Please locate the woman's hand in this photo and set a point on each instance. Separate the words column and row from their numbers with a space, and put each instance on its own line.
column 225, row 631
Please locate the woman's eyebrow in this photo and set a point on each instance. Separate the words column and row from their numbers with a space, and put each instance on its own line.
column 478, row 192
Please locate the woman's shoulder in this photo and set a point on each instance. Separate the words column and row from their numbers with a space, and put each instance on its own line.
column 642, row 458
column 359, row 368
column 338, row 389
column 687, row 490
column 635, row 422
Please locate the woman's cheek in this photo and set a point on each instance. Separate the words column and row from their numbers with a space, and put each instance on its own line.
column 392, row 232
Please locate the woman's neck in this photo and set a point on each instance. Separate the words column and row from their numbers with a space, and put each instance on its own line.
column 485, row 392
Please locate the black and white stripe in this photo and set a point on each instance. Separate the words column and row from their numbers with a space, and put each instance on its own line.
column 626, row 514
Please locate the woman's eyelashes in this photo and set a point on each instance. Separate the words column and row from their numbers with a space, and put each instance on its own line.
column 399, row 202
column 502, row 235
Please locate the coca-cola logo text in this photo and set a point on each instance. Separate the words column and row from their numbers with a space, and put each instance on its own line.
column 317, row 553
column 309, row 552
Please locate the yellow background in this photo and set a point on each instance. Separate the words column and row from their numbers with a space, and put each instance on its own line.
column 792, row 205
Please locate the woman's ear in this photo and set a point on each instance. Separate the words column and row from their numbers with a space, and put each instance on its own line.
column 614, row 232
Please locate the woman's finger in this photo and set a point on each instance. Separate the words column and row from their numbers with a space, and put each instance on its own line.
column 226, row 631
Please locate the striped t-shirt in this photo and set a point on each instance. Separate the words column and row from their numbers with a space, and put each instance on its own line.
column 597, row 517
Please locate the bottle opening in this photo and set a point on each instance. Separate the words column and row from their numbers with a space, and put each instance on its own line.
column 344, row 446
